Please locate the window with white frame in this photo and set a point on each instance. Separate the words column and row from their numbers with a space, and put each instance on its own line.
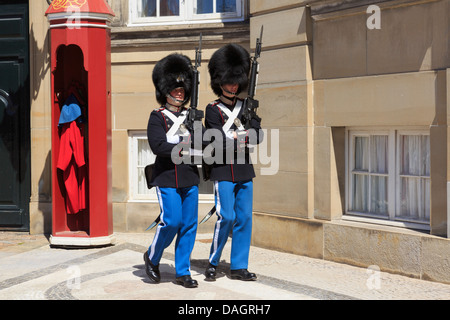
column 160, row 12
column 141, row 156
column 388, row 176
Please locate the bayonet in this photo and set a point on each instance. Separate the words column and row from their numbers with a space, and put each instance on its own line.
column 154, row 223
column 210, row 213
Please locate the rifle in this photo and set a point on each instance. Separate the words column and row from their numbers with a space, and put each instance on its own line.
column 250, row 104
column 194, row 114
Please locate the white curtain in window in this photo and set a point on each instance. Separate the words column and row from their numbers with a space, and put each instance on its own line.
column 360, row 188
column 425, row 152
column 361, row 153
column 360, row 192
column 370, row 191
column 379, row 154
column 379, row 195
column 410, row 155
column 379, row 183
column 414, row 177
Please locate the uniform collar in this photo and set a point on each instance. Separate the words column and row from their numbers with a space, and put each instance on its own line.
column 173, row 108
column 227, row 101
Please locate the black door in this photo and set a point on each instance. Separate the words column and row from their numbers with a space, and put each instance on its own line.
column 14, row 116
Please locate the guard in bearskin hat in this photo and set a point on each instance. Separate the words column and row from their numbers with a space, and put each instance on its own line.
column 176, row 184
column 229, row 70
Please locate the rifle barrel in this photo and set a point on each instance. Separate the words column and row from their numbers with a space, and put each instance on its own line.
column 255, row 66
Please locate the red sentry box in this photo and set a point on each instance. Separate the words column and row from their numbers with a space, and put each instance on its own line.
column 81, row 53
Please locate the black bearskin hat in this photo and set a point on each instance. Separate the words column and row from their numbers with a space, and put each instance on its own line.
column 172, row 72
column 229, row 65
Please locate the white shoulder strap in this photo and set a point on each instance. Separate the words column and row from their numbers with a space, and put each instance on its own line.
column 231, row 115
column 177, row 121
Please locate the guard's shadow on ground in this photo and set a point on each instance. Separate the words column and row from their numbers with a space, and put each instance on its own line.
column 167, row 270
column 200, row 265
column 167, row 273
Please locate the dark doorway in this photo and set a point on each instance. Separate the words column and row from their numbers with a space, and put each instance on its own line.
column 15, row 169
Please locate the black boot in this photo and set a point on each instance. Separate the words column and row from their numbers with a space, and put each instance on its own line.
column 151, row 270
column 242, row 274
column 186, row 281
column 210, row 273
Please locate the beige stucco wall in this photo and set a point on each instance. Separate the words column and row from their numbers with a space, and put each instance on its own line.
column 413, row 36
column 285, row 94
column 40, row 118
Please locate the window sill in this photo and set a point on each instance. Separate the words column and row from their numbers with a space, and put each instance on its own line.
column 181, row 34
column 388, row 223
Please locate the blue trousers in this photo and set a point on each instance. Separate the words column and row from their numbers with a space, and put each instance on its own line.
column 234, row 206
column 179, row 216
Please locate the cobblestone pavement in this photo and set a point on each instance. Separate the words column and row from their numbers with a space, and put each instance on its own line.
column 30, row 269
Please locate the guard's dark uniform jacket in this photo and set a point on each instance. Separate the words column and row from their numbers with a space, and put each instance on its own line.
column 229, row 169
column 166, row 174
